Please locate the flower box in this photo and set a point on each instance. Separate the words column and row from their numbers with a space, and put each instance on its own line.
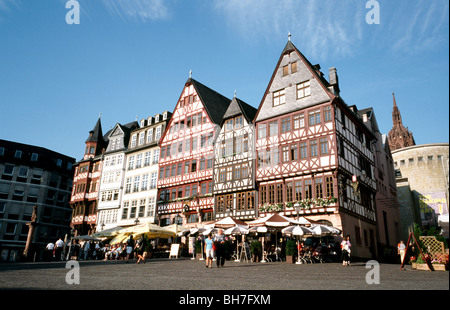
column 439, row 267
column 422, row 267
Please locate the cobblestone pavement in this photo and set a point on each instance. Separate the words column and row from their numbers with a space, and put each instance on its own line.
column 187, row 274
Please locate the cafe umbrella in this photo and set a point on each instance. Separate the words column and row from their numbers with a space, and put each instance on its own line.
column 297, row 230
column 236, row 230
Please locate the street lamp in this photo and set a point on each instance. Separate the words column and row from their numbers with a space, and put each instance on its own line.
column 297, row 208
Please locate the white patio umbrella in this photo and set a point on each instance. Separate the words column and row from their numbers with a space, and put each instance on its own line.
column 297, row 230
column 321, row 230
column 236, row 230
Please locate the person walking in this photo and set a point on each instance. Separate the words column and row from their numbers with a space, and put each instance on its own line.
column 401, row 250
column 48, row 253
column 130, row 246
column 86, row 249
column 219, row 241
column 142, row 245
column 346, row 250
column 58, row 249
column 209, row 252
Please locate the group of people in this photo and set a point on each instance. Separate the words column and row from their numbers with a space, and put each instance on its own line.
column 127, row 249
column 53, row 251
column 215, row 246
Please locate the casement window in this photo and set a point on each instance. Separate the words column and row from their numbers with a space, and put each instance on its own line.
column 158, row 133
column 144, row 185
column 279, row 97
column 173, row 171
column 151, row 206
column 220, row 203
column 308, row 189
column 237, row 172
column 285, row 124
column 133, row 140
column 313, row 148
column 240, row 201
column 273, row 129
column 142, row 207
column 126, row 206
column 229, row 176
column 323, row 146
column 128, row 186
column 280, row 193
column 299, row 121
column 229, row 125
column 263, row 191
column 141, row 138
column 294, row 152
column 187, row 191
column 133, row 209
column 155, row 157
column 187, row 165
column 131, row 163
column 136, row 183
column 285, row 154
column 314, row 117
column 289, row 191
column 153, row 180
column 271, row 193
column 285, row 70
column 179, row 168
column 139, row 161
column 293, row 67
column 298, row 190
column 262, row 131
column 238, row 122
column 303, row 89
column 244, row 170
column 150, row 135
column 327, row 114
column 318, row 186
column 303, row 150
column 329, row 186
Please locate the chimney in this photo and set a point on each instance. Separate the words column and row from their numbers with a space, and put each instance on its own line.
column 334, row 81
column 317, row 68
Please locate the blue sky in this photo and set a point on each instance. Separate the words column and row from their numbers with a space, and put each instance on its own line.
column 130, row 58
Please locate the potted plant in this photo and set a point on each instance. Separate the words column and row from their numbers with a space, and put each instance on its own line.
column 256, row 249
column 290, row 251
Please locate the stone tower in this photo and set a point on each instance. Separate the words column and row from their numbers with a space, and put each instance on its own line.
column 399, row 136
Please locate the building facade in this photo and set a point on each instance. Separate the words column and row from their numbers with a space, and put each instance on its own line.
column 386, row 198
column 422, row 179
column 234, row 164
column 113, row 174
column 141, row 176
column 86, row 183
column 311, row 146
column 33, row 177
column 187, row 156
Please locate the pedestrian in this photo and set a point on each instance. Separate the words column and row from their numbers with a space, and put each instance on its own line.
column 209, row 251
column 346, row 250
column 48, row 253
column 219, row 241
column 59, row 248
column 142, row 248
column 86, row 249
column 130, row 246
column 401, row 250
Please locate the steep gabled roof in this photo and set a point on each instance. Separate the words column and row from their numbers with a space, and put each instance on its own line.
column 238, row 107
column 96, row 134
column 290, row 47
column 215, row 104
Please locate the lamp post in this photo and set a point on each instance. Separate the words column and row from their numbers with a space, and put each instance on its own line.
column 297, row 209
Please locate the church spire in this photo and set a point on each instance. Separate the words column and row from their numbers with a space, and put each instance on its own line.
column 399, row 136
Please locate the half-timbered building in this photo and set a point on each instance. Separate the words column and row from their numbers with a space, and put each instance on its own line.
column 86, row 180
column 187, row 156
column 311, row 147
column 234, row 170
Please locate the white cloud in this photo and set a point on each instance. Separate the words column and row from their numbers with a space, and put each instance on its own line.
column 318, row 27
column 321, row 28
column 141, row 10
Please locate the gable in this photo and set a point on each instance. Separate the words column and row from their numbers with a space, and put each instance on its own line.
column 295, row 85
column 116, row 131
